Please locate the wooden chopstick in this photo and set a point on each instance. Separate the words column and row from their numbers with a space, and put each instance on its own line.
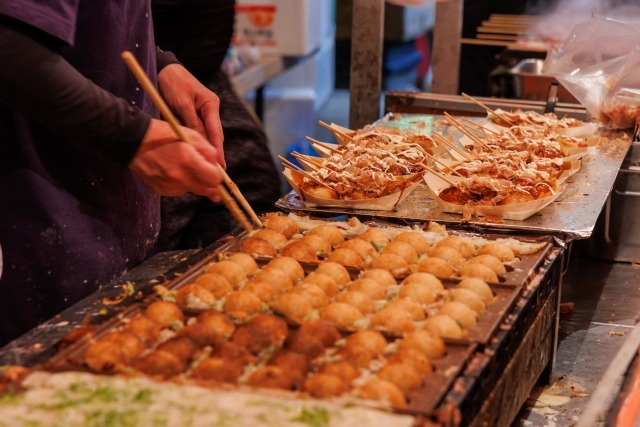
column 166, row 113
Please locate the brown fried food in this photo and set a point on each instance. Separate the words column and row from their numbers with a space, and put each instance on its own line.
column 322, row 329
column 443, row 326
column 461, row 313
column 341, row 314
column 330, row 233
column 391, row 262
column 436, row 266
column 276, row 239
column 247, row 262
column 300, row 251
column 289, row 266
column 282, row 224
column 369, row 287
column 373, row 340
column 235, row 353
column 146, row 329
column 278, row 278
column 160, row 364
column 318, row 243
column 413, row 357
column 259, row 247
column 379, row 275
column 130, row 343
column 425, row 342
column 469, row 298
column 489, row 261
column 409, row 306
column 276, row 327
column 416, row 240
column 242, row 302
column 321, row 192
column 336, row 271
column 105, row 355
column 165, row 313
column 202, row 335
column 465, row 248
column 403, row 375
column 375, row 237
column 478, row 286
column 293, row 306
column 498, row 250
column 418, row 292
column 346, row 257
column 194, row 290
column 426, row 279
column 218, row 322
column 271, row 377
column 381, row 390
column 313, row 293
column 181, row 347
column 325, row 385
column 232, row 272
column 362, row 248
column 263, row 290
column 449, row 254
column 478, row 271
column 253, row 338
column 393, row 320
column 219, row 370
column 357, row 354
column 295, row 363
column 402, row 249
column 359, row 300
column 326, row 283
column 215, row 284
column 303, row 343
column 342, row 369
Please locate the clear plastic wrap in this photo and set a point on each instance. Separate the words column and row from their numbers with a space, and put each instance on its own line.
column 600, row 65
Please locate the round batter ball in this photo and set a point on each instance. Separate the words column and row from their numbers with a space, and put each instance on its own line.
column 194, row 290
column 330, row 233
column 293, row 306
column 322, row 192
column 278, row 278
column 346, row 257
column 288, row 265
column 146, row 329
column 232, row 272
column 390, row 262
column 283, row 225
column 425, row 342
column 403, row 375
column 341, row 314
column 336, row 271
column 218, row 369
column 478, row 286
column 375, row 237
column 181, row 347
column 373, row 340
column 469, row 298
column 263, row 290
column 416, row 240
column 300, row 251
column 242, row 302
column 342, row 369
column 436, row 266
column 247, row 262
column 160, row 364
column 303, row 343
column 325, row 385
column 379, row 275
column 369, row 287
column 408, row 305
column 165, row 313
column 359, row 300
column 252, row 337
column 215, row 284
column 313, row 293
column 413, row 357
column 359, row 246
column 418, row 292
column 322, row 329
column 498, row 250
column 318, row 243
column 276, row 239
column 458, row 243
column 271, row 377
column 449, row 254
column 381, row 390
column 357, row 354
column 461, row 313
column 105, row 355
column 393, row 320
column 202, row 334
column 489, row 261
column 426, row 279
column 324, row 282
column 478, row 271
column 218, row 322
column 443, row 326
column 258, row 247
column 235, row 353
column 402, row 249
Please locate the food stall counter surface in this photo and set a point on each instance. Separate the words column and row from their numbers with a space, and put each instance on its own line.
column 571, row 217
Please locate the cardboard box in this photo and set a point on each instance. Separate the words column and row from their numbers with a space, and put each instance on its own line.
column 282, row 27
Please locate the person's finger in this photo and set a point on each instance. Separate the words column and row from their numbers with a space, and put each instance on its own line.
column 185, row 109
column 210, row 113
column 202, row 146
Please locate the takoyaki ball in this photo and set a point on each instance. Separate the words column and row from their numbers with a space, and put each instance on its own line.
column 253, row 338
column 326, row 283
column 215, row 284
column 461, row 313
column 325, row 385
column 443, row 326
column 300, row 251
column 275, row 326
column 403, row 375
column 336, row 271
column 271, row 236
column 436, row 266
column 458, row 243
column 181, row 347
column 300, row 342
column 478, row 286
column 165, row 313
column 130, row 343
column 478, row 271
column 146, row 329
column 370, row 287
column 217, row 322
column 278, row 278
column 322, row 329
column 322, row 192
column 263, row 290
column 498, row 250
column 346, row 257
column 416, row 240
column 425, row 342
column 202, row 334
column 359, row 300
column 289, row 266
column 318, row 243
column 194, row 291
column 271, row 377
column 409, row 306
column 330, row 233
column 413, row 357
column 248, row 264
column 359, row 246
column 293, row 306
column 218, row 369
column 418, row 292
column 393, row 320
column 313, row 293
column 402, row 249
column 426, row 279
column 282, row 224
column 379, row 275
column 391, row 262
column 375, row 237
column 342, row 369
column 449, row 254
column 160, row 364
column 259, row 247
column 469, row 298
column 489, row 261
column 104, row 355
column 357, row 354
column 340, row 314
column 295, row 363
column 381, row 390
column 373, row 340
column 235, row 353
column 232, row 272
column 241, row 303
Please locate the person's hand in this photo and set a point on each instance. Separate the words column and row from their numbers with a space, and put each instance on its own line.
column 196, row 106
column 171, row 167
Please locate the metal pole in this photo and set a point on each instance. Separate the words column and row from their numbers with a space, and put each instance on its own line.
column 366, row 62
column 446, row 47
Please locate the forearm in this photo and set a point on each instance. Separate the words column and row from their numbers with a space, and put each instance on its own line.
column 37, row 82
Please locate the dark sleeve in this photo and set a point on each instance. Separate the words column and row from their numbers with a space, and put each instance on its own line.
column 37, row 82
column 164, row 58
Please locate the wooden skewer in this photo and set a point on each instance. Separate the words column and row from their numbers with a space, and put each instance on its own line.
column 286, row 163
column 446, row 142
column 472, row 99
column 309, row 159
column 334, row 130
column 479, row 128
column 442, row 177
column 157, row 100
column 323, row 145
column 462, row 128
column 435, row 159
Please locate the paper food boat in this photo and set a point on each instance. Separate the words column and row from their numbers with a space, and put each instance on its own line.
column 386, row 203
column 585, row 131
column 573, row 153
column 326, row 151
column 516, row 212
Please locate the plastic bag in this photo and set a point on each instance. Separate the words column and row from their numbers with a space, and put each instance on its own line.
column 600, row 65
